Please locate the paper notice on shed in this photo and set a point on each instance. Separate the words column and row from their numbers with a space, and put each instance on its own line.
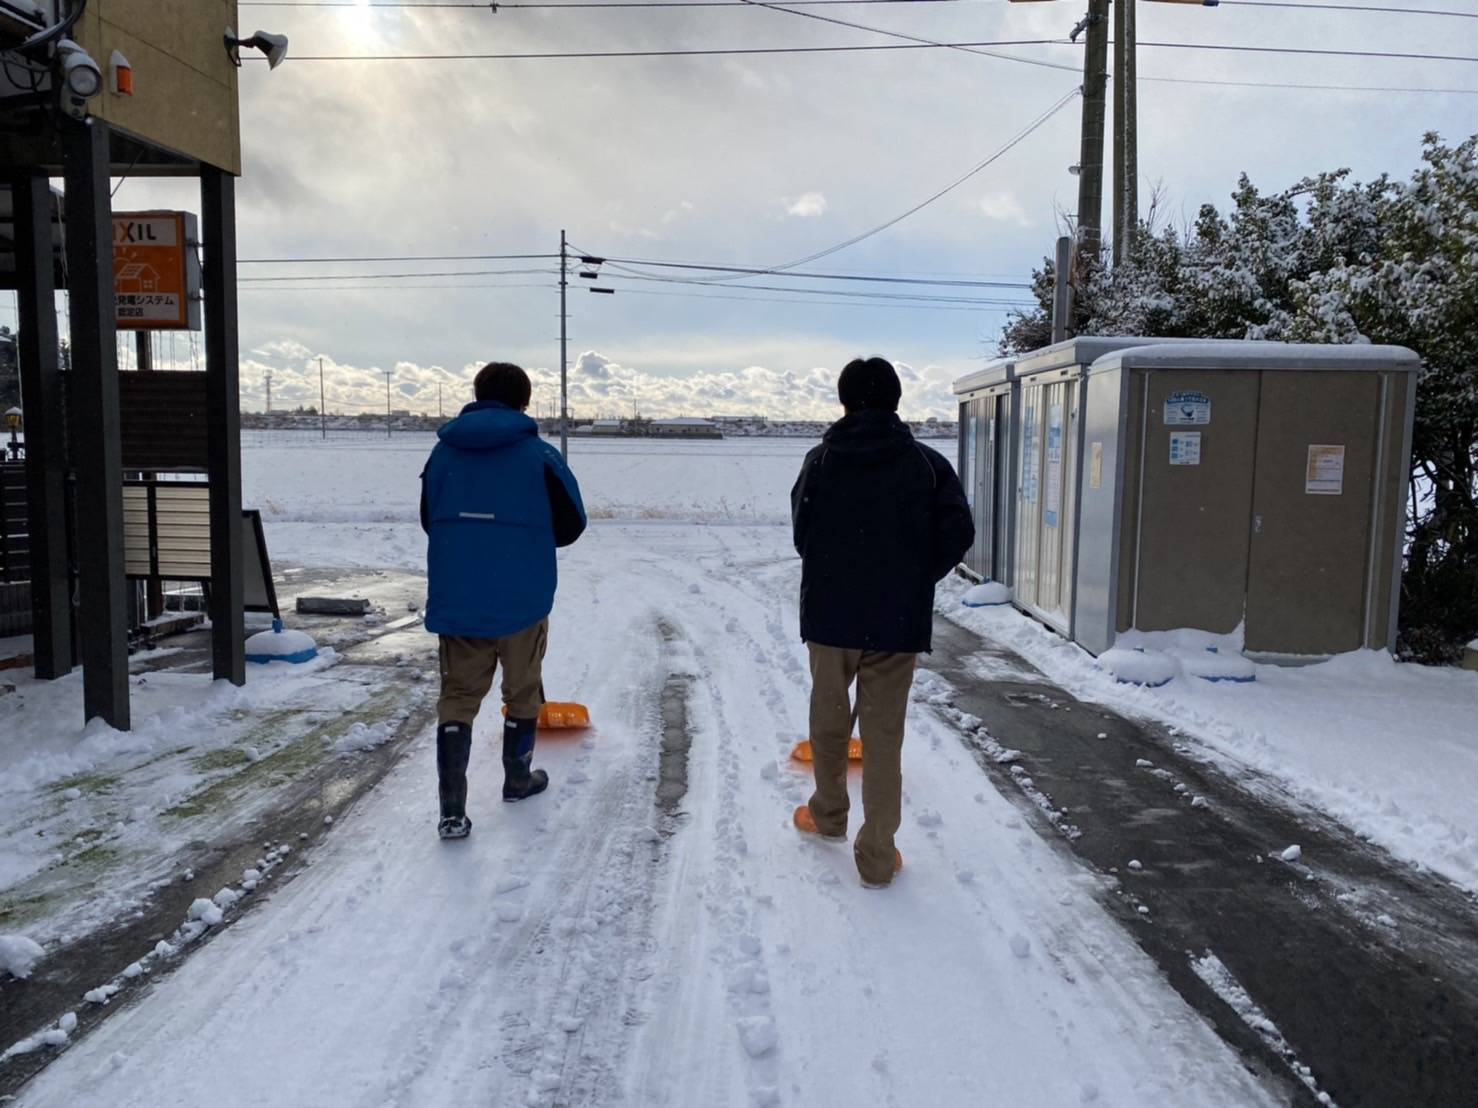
column 1326, row 473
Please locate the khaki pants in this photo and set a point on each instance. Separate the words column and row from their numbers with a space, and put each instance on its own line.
column 467, row 667
column 883, row 682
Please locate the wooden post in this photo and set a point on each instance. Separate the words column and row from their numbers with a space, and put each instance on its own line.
column 46, row 439
column 97, row 452
column 223, row 420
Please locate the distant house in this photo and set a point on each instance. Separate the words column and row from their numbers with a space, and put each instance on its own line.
column 606, row 427
column 686, row 428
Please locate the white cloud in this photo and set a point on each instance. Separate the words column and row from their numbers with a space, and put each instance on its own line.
column 1003, row 207
column 598, row 385
column 809, row 206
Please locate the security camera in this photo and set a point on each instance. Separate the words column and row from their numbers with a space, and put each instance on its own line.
column 81, row 78
column 274, row 46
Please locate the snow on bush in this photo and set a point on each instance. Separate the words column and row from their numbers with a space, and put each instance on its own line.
column 19, row 955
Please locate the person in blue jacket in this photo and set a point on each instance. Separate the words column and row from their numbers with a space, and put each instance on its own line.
column 496, row 500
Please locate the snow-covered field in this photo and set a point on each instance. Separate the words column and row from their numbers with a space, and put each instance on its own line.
column 594, row 947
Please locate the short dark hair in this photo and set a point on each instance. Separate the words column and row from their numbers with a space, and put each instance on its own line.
column 871, row 384
column 504, row 382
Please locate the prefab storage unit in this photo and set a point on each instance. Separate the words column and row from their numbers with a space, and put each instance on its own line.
column 1048, row 451
column 1213, row 484
column 987, row 466
column 1246, row 484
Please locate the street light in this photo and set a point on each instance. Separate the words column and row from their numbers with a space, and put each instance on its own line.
column 13, row 421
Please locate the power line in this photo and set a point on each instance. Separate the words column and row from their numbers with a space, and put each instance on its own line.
column 396, row 276
column 934, row 298
column 968, row 47
column 403, row 258
column 1016, row 140
column 1306, row 5
column 494, row 8
column 714, row 52
column 827, row 276
column 1309, row 51
column 821, row 303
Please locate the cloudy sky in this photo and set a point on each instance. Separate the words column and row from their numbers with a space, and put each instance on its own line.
column 750, row 160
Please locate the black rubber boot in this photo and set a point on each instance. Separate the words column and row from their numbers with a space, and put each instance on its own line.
column 453, row 749
column 519, row 780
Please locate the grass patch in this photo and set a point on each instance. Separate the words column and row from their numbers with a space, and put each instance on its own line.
column 226, row 758
column 86, row 782
column 281, row 766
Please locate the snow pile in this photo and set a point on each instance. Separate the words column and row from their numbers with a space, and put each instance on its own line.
column 364, row 736
column 987, row 595
column 19, row 955
column 1138, row 666
column 1204, row 654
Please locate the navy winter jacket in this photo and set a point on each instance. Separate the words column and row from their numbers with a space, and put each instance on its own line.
column 879, row 519
column 495, row 501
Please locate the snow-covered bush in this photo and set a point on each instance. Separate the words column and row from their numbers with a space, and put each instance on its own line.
column 1334, row 260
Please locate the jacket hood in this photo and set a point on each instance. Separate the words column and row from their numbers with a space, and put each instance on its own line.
column 487, row 425
column 868, row 435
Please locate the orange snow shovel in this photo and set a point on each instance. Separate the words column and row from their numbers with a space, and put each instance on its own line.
column 802, row 751
column 561, row 715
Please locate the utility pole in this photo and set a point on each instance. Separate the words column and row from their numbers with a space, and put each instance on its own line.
column 564, row 383
column 1090, row 159
column 388, row 372
column 322, row 402
column 267, row 377
column 145, row 349
column 1126, row 131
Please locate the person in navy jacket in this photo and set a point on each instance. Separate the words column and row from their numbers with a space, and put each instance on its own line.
column 496, row 500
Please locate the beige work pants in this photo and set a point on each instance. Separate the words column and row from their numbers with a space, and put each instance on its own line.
column 883, row 683
column 468, row 665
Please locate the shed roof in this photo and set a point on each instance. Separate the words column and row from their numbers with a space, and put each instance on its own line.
column 1247, row 354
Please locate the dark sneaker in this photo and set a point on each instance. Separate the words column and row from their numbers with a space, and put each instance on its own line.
column 805, row 823
column 454, row 827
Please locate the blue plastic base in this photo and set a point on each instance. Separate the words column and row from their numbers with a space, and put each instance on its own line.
column 297, row 659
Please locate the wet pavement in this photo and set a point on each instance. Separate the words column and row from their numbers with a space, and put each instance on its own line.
column 1366, row 967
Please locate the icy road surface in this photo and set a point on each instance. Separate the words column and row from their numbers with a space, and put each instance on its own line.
column 591, row 947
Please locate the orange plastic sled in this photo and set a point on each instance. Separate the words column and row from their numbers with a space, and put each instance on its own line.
column 802, row 751
column 558, row 715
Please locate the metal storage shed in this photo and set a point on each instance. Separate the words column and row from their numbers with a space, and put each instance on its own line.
column 987, row 466
column 1212, row 484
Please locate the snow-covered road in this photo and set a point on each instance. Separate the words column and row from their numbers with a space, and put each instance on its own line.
column 589, row 948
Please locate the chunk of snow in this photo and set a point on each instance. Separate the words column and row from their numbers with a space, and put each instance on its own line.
column 1139, row 667
column 205, row 911
column 68, row 1023
column 1293, row 853
column 930, row 818
column 1214, row 665
column 226, row 898
column 758, row 1035
column 1021, row 946
column 19, row 955
column 162, row 949
column 1135, row 865
column 134, row 969
column 988, row 595
column 100, row 995
column 1200, row 802
column 1144, row 763
column 72, row 794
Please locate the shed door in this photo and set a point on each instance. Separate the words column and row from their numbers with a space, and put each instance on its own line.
column 1318, row 437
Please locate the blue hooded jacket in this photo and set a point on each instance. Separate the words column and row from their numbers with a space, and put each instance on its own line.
column 495, row 501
